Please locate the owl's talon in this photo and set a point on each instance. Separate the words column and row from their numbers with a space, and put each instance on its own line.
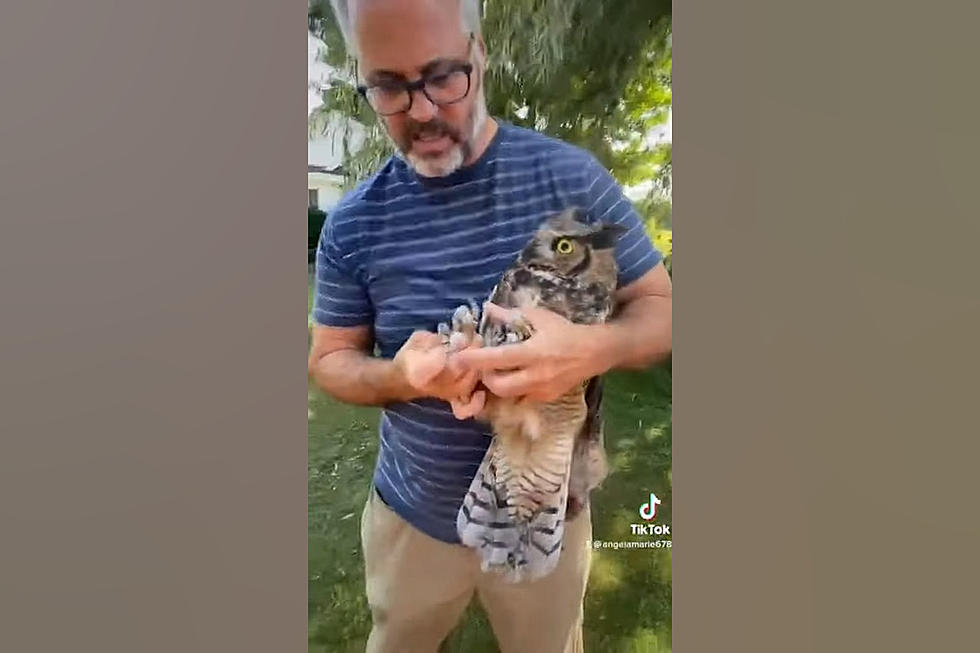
column 517, row 329
column 474, row 311
column 464, row 320
column 464, row 328
column 444, row 332
column 459, row 315
column 521, row 326
column 458, row 341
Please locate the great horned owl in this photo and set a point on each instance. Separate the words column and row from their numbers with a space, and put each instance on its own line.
column 545, row 458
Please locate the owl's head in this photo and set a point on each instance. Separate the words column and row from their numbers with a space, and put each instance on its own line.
column 570, row 246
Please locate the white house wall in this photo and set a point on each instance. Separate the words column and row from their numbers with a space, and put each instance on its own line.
column 328, row 189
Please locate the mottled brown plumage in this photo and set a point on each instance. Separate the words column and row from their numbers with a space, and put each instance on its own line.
column 545, row 458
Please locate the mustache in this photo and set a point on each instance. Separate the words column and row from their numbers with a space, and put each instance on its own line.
column 434, row 127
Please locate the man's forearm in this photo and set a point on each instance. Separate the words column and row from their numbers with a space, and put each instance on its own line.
column 639, row 336
column 354, row 377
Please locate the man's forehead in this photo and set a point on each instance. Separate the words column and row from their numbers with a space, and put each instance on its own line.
column 405, row 35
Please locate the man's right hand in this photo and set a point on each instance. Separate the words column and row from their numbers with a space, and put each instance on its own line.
column 427, row 367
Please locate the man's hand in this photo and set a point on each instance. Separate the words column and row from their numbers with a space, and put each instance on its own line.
column 427, row 368
column 559, row 356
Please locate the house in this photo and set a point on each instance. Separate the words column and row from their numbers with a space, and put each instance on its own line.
column 324, row 152
column 324, row 158
column 325, row 146
column 325, row 186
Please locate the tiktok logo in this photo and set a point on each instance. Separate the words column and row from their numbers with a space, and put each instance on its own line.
column 649, row 510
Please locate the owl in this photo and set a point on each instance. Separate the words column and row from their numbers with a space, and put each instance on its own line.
column 544, row 457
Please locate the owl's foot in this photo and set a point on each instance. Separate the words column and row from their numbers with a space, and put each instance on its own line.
column 517, row 329
column 463, row 330
column 444, row 332
column 502, row 326
column 462, row 334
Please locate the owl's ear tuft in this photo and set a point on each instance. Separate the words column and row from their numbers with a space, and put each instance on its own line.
column 606, row 236
column 577, row 214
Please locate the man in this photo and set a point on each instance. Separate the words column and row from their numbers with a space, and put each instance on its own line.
column 434, row 227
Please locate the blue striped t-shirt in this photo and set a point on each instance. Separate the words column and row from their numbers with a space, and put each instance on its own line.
column 400, row 252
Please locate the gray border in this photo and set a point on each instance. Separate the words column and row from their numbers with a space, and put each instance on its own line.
column 152, row 435
column 153, row 439
column 826, row 318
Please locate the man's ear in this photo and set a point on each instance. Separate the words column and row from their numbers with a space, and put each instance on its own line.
column 482, row 47
column 606, row 235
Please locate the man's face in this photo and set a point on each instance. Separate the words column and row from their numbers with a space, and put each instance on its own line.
column 406, row 40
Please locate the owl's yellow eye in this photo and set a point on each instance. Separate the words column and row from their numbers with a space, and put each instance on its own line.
column 564, row 246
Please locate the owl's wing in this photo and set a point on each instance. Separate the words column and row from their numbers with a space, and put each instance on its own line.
column 514, row 512
column 589, row 464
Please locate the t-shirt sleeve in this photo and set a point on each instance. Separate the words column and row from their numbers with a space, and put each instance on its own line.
column 339, row 296
column 606, row 202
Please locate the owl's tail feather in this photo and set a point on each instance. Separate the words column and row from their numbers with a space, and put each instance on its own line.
column 518, row 549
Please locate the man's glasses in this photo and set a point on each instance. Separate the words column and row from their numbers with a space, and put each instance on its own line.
column 446, row 85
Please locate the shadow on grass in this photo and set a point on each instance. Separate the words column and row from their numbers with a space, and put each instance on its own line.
column 628, row 603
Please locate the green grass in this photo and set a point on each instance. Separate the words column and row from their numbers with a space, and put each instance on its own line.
column 628, row 603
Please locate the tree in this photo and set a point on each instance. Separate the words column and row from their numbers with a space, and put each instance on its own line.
column 596, row 74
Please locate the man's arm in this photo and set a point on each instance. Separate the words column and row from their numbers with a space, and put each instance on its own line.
column 340, row 360
column 641, row 332
column 341, row 366
column 561, row 354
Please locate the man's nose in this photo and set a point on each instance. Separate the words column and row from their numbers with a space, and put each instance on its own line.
column 422, row 109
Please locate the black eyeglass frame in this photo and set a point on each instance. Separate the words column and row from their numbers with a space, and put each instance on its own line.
column 419, row 85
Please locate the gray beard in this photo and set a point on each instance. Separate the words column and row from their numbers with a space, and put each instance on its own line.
column 452, row 160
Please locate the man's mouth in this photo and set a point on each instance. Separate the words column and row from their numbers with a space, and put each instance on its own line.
column 431, row 143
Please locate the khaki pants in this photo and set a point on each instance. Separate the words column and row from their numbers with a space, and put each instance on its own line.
column 418, row 588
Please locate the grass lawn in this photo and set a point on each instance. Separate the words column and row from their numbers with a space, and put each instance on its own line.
column 628, row 603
